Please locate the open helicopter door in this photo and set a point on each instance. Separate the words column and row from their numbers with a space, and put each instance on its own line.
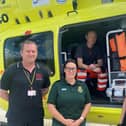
column 116, row 59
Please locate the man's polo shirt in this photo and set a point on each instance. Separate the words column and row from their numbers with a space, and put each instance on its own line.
column 89, row 55
column 21, row 106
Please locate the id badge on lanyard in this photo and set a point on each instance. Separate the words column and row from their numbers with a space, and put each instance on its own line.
column 31, row 92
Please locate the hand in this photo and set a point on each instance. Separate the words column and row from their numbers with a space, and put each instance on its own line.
column 76, row 122
column 97, row 70
column 92, row 66
column 68, row 122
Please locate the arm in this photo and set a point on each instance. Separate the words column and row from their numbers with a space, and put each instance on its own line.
column 81, row 64
column 123, row 111
column 4, row 94
column 46, row 85
column 96, row 67
column 83, row 115
column 79, row 57
column 99, row 63
column 58, row 116
column 98, row 56
column 86, row 110
column 91, row 67
column 44, row 91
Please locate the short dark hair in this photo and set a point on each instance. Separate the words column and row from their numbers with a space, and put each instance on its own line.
column 70, row 61
column 27, row 42
column 91, row 31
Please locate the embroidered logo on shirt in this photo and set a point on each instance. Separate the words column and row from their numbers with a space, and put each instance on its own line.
column 39, row 76
column 80, row 89
column 63, row 89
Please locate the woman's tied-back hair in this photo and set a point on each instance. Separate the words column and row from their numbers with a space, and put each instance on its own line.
column 70, row 61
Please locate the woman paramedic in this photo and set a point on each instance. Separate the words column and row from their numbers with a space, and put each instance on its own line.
column 69, row 100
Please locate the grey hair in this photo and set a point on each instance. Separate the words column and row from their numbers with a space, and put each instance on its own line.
column 27, row 42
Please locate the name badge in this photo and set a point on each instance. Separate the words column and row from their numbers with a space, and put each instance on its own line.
column 31, row 93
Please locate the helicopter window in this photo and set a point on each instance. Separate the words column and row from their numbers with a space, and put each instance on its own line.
column 45, row 49
column 107, row 1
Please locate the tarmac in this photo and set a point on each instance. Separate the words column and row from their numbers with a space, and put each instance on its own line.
column 47, row 122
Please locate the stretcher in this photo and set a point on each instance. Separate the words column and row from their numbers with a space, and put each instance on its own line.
column 116, row 61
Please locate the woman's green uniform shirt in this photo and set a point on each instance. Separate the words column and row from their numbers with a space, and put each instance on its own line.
column 69, row 99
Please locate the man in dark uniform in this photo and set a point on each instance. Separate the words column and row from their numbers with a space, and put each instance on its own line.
column 88, row 55
column 23, row 84
column 89, row 58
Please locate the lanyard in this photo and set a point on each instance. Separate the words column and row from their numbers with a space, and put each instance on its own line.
column 28, row 78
